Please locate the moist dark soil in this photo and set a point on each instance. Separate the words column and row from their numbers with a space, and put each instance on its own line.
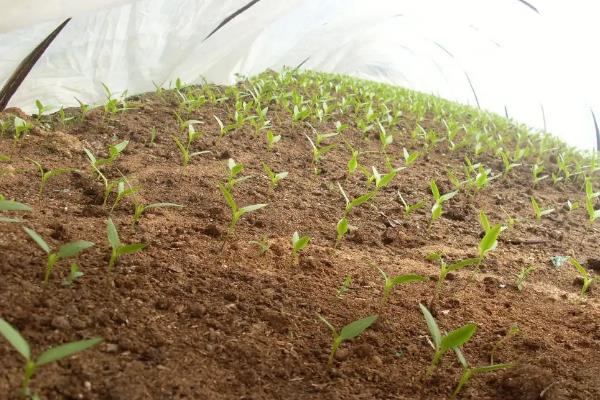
column 189, row 318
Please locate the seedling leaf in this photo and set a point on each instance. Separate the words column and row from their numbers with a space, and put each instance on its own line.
column 251, row 208
column 434, row 330
column 9, row 205
column 462, row 263
column 130, row 248
column 228, row 198
column 355, row 328
column 322, row 318
column 113, row 236
column 38, row 239
column 490, row 241
column 65, row 350
column 408, row 279
column 71, row 249
column 15, row 339
column 458, row 336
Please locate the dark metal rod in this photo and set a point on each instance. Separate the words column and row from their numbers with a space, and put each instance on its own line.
column 15, row 80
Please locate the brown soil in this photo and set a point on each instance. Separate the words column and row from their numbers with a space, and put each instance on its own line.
column 183, row 320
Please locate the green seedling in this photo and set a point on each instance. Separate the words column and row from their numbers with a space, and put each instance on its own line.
column 457, row 184
column 51, row 355
column 184, row 147
column 234, row 170
column 445, row 269
column 299, row 243
column 83, row 108
column 119, row 249
column 522, row 276
column 482, row 178
column 512, row 331
column 489, row 242
column 381, row 181
column 260, row 121
column 510, row 220
column 74, row 274
column 224, row 129
column 4, row 126
column 572, row 206
column 10, row 205
column 114, row 151
column 391, row 281
column 184, row 126
column 593, row 214
column 345, row 286
column 350, row 204
column 353, row 162
column 22, row 127
column 437, row 210
column 341, row 228
column 564, row 165
column 539, row 212
column 410, row 208
column 585, row 275
column 348, row 332
column 123, row 192
column 485, row 222
column 508, row 165
column 556, row 178
column 318, row 151
column 140, row 209
column 300, row 114
column 469, row 372
column 64, row 251
column 274, row 177
column 442, row 344
column 385, row 139
column 477, row 176
column 114, row 105
column 190, row 99
column 536, row 172
column 263, row 245
column 272, row 140
column 410, row 158
column 153, row 133
column 41, row 109
column 46, row 174
column 159, row 90
column 236, row 212
column 339, row 127
column 62, row 116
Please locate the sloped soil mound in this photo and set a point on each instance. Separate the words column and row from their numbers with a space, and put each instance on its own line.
column 199, row 315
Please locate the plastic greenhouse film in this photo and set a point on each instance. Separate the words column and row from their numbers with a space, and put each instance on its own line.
column 464, row 51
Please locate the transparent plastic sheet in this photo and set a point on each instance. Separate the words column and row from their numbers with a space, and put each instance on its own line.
column 513, row 56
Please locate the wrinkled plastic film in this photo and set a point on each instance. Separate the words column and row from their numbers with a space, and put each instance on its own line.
column 429, row 45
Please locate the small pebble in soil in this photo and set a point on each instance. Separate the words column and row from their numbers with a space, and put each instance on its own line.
column 412, row 349
column 342, row 354
column 593, row 263
column 336, row 373
column 111, row 348
column 197, row 310
column 578, row 281
column 211, row 230
column 377, row 361
column 363, row 350
column 61, row 323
